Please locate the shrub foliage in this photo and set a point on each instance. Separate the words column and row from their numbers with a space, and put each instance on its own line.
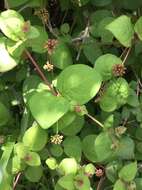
column 70, row 95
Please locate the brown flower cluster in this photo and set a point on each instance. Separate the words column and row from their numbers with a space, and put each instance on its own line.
column 118, row 70
column 50, row 45
column 42, row 14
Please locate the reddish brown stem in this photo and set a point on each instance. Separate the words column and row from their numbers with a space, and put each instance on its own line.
column 40, row 72
column 16, row 180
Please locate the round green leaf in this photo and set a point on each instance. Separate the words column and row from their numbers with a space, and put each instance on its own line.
column 68, row 166
column 125, row 149
column 65, row 121
column 67, row 182
column 35, row 138
column 88, row 146
column 34, row 174
column 112, row 169
column 74, row 127
column 32, row 159
column 104, row 65
column 115, row 95
column 61, row 56
column 37, row 44
column 85, row 182
column 92, row 51
column 51, row 163
column 56, row 150
column 103, row 145
column 11, row 24
column 72, row 147
column 21, row 150
column 128, row 172
column 79, row 83
column 49, row 109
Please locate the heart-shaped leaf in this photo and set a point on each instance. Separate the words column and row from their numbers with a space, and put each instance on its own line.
column 79, row 83
column 47, row 109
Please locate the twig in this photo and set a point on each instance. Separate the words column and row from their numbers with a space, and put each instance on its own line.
column 126, row 56
column 95, row 120
column 100, row 183
column 16, row 180
column 85, row 34
column 50, row 28
column 40, row 73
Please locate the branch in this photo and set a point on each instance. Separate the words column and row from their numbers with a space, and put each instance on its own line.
column 95, row 120
column 99, row 187
column 126, row 56
column 40, row 73
column 16, row 180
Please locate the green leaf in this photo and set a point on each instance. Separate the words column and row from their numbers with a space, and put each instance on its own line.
column 92, row 51
column 34, row 174
column 128, row 172
column 8, row 148
column 49, row 109
column 138, row 28
column 68, row 166
column 82, row 182
column 35, row 138
column 88, row 146
column 56, row 150
column 11, row 24
column 112, row 169
column 125, row 149
column 15, row 49
column 67, row 182
column 109, row 122
column 66, row 120
column 65, row 28
column 33, row 33
column 13, row 3
column 30, row 86
column 104, row 65
column 72, row 147
column 21, row 150
column 4, row 114
column 122, row 29
column 37, row 44
column 128, row 4
column 103, row 145
column 17, row 165
column 106, row 36
column 96, row 17
column 115, row 95
column 74, row 127
column 79, row 83
column 51, row 163
column 138, row 182
column 32, row 159
column 101, row 2
column 6, row 61
column 61, row 56
column 119, row 185
column 133, row 99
